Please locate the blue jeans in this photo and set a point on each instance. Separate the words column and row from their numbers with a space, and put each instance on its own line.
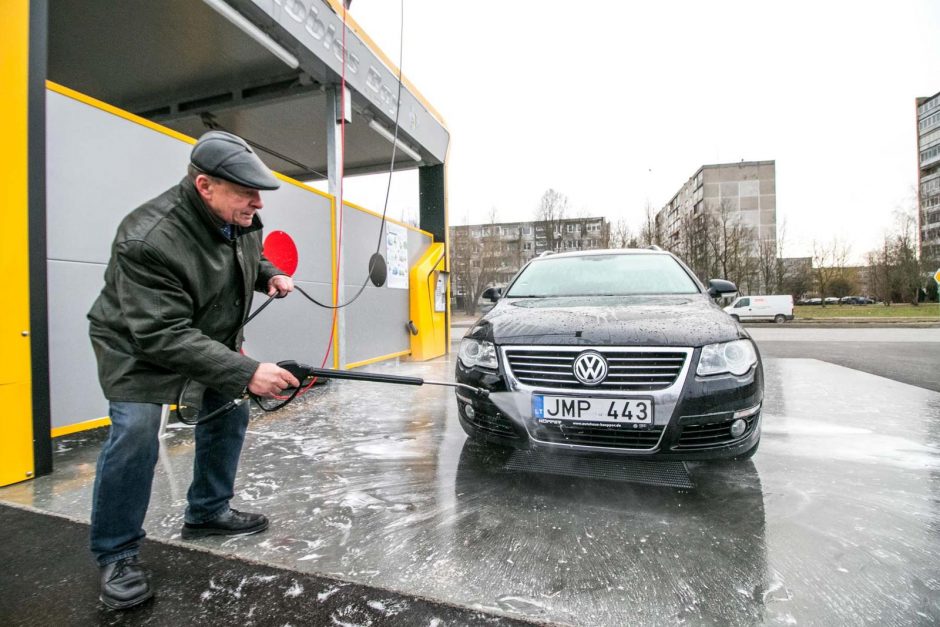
column 126, row 467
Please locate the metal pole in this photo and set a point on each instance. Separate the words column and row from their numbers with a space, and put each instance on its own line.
column 334, row 169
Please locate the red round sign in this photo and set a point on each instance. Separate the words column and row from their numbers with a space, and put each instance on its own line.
column 280, row 250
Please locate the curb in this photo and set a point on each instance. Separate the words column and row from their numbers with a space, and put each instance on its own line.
column 821, row 323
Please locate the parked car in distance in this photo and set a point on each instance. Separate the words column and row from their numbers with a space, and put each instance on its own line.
column 856, row 300
column 778, row 308
column 832, row 300
column 810, row 301
column 615, row 352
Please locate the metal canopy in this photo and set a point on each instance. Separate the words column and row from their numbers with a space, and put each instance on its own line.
column 184, row 65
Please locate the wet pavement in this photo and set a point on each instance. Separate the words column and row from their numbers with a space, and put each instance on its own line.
column 836, row 520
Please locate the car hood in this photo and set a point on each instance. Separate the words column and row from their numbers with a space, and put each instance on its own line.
column 687, row 320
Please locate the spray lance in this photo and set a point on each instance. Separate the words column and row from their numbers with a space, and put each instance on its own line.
column 188, row 406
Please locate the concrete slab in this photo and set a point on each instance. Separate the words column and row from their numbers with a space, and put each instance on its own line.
column 834, row 521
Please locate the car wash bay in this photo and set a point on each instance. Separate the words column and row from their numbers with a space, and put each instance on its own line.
column 834, row 520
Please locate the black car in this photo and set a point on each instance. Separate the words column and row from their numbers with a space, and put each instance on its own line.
column 614, row 351
column 856, row 300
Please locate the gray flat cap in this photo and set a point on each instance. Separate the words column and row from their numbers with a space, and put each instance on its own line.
column 229, row 157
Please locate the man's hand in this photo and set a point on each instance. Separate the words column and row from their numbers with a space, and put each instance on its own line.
column 270, row 379
column 280, row 284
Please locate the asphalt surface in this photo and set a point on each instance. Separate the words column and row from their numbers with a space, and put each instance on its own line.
column 41, row 584
column 909, row 356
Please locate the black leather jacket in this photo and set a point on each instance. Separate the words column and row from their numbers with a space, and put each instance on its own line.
column 176, row 289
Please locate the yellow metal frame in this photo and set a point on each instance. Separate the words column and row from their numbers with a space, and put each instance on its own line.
column 17, row 461
column 81, row 426
column 431, row 340
column 375, row 360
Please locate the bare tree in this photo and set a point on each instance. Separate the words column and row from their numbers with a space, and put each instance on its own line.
column 781, row 270
column 908, row 278
column 731, row 256
column 649, row 234
column 897, row 273
column 828, row 264
column 844, row 284
column 798, row 280
column 475, row 260
column 461, row 246
column 695, row 247
column 879, row 264
column 768, row 265
column 550, row 215
column 620, row 234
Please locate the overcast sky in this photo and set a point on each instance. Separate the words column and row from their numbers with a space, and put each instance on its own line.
column 616, row 103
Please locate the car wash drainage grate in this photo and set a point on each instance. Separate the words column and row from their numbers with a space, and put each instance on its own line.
column 668, row 474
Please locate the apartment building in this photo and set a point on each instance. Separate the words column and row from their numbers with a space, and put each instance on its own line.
column 928, row 178
column 484, row 254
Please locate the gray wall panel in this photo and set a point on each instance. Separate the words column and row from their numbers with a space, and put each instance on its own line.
column 101, row 166
column 292, row 328
column 375, row 324
column 98, row 167
column 305, row 216
column 75, row 394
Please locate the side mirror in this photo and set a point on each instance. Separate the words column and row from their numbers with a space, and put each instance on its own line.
column 720, row 287
column 492, row 294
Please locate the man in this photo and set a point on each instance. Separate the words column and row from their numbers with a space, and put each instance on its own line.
column 177, row 289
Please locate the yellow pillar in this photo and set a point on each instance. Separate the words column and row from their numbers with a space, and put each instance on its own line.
column 428, row 306
column 16, row 430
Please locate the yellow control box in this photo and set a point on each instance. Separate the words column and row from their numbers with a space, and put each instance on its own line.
column 428, row 295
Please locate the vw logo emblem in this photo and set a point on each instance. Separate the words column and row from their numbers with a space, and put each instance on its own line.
column 590, row 368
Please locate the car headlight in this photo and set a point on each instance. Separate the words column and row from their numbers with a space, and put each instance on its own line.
column 736, row 357
column 477, row 353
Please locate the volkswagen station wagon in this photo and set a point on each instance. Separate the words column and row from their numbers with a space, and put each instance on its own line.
column 613, row 351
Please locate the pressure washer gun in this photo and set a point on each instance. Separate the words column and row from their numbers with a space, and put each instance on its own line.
column 303, row 372
column 187, row 412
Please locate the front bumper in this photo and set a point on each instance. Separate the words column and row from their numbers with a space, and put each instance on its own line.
column 692, row 419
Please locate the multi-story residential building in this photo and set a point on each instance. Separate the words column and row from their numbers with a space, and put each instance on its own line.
column 729, row 201
column 487, row 254
column 928, row 178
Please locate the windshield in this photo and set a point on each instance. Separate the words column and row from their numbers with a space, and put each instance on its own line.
column 602, row 275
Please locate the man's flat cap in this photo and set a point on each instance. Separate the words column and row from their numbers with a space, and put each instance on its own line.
column 229, row 157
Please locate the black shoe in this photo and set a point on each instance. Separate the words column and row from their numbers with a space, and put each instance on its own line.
column 124, row 583
column 231, row 523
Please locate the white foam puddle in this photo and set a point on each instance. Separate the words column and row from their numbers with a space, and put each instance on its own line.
column 815, row 439
column 392, row 449
column 360, row 500
column 780, row 425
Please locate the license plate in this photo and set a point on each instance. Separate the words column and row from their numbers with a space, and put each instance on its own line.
column 628, row 411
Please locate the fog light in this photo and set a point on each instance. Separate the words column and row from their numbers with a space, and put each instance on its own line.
column 468, row 409
column 738, row 427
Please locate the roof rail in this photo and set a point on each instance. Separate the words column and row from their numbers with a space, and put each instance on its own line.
column 653, row 247
column 547, row 253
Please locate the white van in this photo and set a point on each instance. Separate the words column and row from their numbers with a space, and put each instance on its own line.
column 776, row 308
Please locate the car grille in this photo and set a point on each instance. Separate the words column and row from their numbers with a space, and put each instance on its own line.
column 711, row 434
column 628, row 370
column 610, row 437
